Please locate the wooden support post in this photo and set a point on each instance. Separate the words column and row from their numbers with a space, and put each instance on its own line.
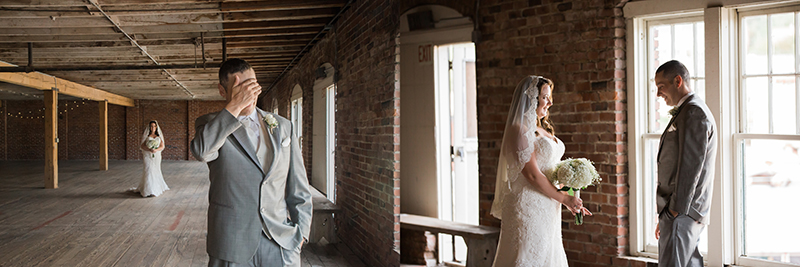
column 103, row 136
column 50, row 141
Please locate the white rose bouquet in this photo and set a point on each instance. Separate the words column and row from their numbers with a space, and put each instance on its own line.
column 153, row 144
column 574, row 175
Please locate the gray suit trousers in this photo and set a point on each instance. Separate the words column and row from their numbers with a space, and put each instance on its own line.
column 268, row 254
column 677, row 246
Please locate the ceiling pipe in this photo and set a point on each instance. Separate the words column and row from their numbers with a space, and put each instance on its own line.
column 327, row 27
column 30, row 56
column 203, row 48
column 141, row 48
column 224, row 49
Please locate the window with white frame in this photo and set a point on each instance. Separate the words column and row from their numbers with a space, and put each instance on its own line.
column 666, row 39
column 768, row 137
column 296, row 113
column 751, row 81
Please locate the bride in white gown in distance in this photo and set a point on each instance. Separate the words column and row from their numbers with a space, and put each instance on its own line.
column 152, row 183
column 528, row 204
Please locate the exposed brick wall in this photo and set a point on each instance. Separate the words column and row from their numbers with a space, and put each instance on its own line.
column 520, row 38
column 172, row 118
column 303, row 75
column 78, row 128
column 363, row 49
column 25, row 136
column 133, row 131
column 116, row 132
column 176, row 119
column 82, row 130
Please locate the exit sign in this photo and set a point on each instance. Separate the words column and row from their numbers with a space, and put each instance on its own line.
column 425, row 53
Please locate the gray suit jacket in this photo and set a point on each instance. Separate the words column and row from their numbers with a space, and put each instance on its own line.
column 686, row 158
column 239, row 186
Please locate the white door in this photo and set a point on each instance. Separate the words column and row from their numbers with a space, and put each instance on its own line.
column 458, row 182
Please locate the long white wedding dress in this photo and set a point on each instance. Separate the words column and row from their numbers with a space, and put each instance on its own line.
column 152, row 183
column 530, row 233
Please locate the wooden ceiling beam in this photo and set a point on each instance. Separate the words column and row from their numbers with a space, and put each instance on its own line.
column 120, row 3
column 277, row 15
column 293, row 38
column 102, row 29
column 41, row 81
column 166, row 19
column 176, row 28
column 279, row 24
column 139, row 73
column 170, row 8
column 270, row 32
column 276, row 44
column 210, row 37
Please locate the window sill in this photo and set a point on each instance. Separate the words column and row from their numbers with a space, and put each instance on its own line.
column 646, row 260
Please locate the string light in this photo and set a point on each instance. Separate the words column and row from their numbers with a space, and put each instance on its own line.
column 30, row 113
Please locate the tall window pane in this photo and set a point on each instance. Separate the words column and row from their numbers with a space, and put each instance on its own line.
column 650, row 218
column 685, row 46
column 769, row 163
column 682, row 41
column 784, row 105
column 782, row 37
column 755, row 44
column 771, row 189
column 756, row 102
column 674, row 42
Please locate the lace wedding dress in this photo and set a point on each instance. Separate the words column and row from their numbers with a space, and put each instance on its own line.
column 152, row 180
column 530, row 234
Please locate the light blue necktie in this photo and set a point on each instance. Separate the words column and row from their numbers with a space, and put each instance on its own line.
column 252, row 131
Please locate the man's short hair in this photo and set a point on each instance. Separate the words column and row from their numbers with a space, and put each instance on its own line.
column 230, row 66
column 673, row 68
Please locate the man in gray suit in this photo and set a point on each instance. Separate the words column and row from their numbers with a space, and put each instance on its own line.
column 259, row 210
column 686, row 157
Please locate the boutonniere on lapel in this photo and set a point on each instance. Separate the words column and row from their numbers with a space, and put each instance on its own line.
column 673, row 111
column 271, row 122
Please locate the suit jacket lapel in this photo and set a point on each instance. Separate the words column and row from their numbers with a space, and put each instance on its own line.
column 671, row 121
column 240, row 135
column 274, row 136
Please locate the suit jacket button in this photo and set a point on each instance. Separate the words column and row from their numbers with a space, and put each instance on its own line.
column 264, row 210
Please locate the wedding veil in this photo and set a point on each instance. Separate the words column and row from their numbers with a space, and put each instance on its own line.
column 147, row 133
column 515, row 150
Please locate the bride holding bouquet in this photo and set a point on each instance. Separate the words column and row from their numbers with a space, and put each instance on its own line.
column 152, row 143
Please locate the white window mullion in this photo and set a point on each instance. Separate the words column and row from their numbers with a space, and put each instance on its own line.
column 638, row 63
column 721, row 69
column 797, row 70
column 770, row 72
column 694, row 75
column 672, row 40
column 770, row 104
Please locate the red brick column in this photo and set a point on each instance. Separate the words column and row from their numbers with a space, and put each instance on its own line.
column 191, row 115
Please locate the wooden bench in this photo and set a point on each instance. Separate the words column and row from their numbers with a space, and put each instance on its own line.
column 481, row 240
column 322, row 220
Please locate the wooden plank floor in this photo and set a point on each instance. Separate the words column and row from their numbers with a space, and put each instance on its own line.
column 91, row 220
